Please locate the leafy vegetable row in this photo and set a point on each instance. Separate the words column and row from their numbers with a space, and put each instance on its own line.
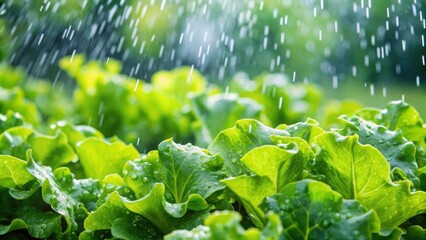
column 364, row 178
column 179, row 104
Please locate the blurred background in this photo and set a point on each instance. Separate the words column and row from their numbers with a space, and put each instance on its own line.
column 371, row 51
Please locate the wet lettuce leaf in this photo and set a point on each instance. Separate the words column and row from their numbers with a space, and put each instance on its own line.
column 217, row 112
column 274, row 167
column 75, row 133
column 67, row 196
column 39, row 224
column 99, row 157
column 50, row 150
column 226, row 225
column 14, row 142
column 53, row 151
column 10, row 119
column 398, row 151
column 361, row 172
column 13, row 172
column 284, row 101
column 170, row 182
column 402, row 116
column 14, row 99
column 312, row 210
column 234, row 142
column 414, row 233
column 307, row 130
column 113, row 216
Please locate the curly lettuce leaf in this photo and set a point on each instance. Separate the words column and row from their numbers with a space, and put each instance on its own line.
column 234, row 142
column 402, row 116
column 14, row 142
column 10, row 76
column 217, row 112
column 312, row 210
column 113, row 216
column 284, row 102
column 421, row 173
column 415, row 233
column 100, row 158
column 172, row 181
column 361, row 172
column 179, row 83
column 106, row 214
column 76, row 133
column 10, row 119
column 39, row 224
column 333, row 109
column 398, row 151
column 307, row 130
column 67, row 196
column 226, row 225
column 14, row 99
column 274, row 167
column 13, row 172
column 53, row 151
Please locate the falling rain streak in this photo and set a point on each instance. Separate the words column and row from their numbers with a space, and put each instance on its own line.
column 377, row 42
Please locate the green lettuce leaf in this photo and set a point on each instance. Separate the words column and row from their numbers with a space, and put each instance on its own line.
column 112, row 215
column 10, row 76
column 312, row 210
column 421, row 173
column 138, row 228
column 402, row 116
column 75, row 133
column 53, row 151
column 415, row 233
column 179, row 83
column 226, row 225
column 39, row 224
column 106, row 214
column 13, row 172
column 172, row 181
column 331, row 111
column 100, row 158
column 234, row 142
column 9, row 120
column 67, row 196
column 14, row 99
column 398, row 151
column 217, row 112
column 284, row 102
column 307, row 130
column 274, row 167
column 361, row 172
column 14, row 142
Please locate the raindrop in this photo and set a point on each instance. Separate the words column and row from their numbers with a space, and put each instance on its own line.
column 72, row 56
column 133, row 176
column 335, row 82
